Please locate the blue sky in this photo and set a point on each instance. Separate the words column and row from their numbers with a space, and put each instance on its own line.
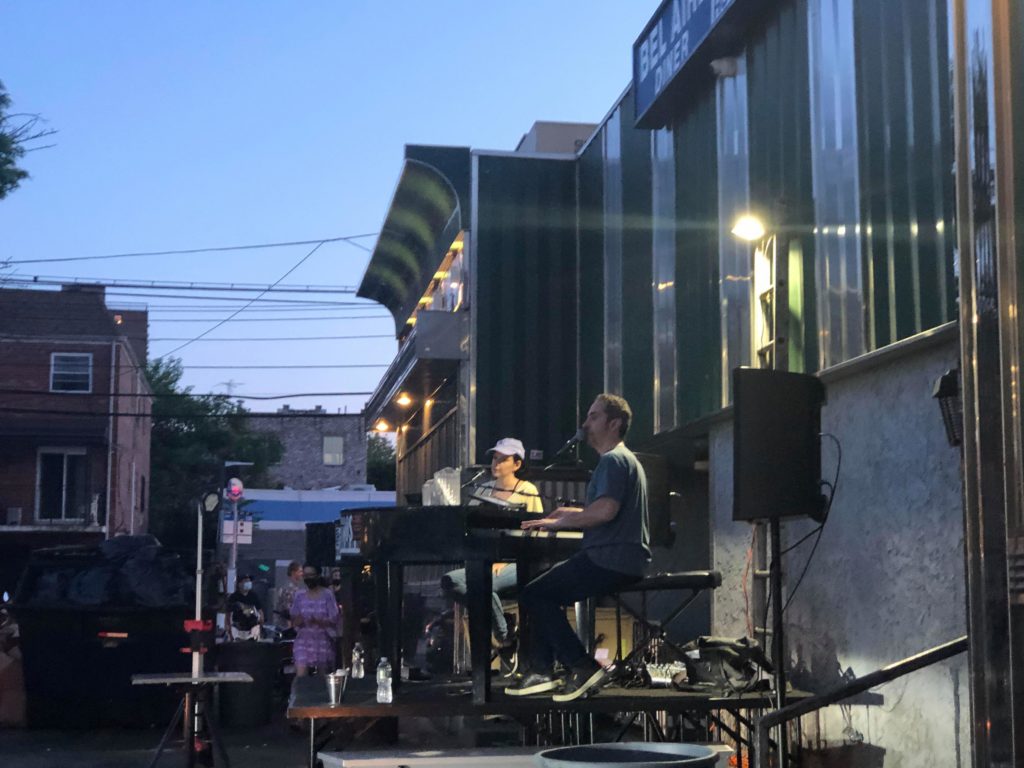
column 195, row 124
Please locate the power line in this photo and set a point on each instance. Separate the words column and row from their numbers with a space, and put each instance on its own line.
column 234, row 314
column 161, row 285
column 284, row 338
column 188, row 394
column 236, row 320
column 350, row 239
column 283, row 366
column 168, row 416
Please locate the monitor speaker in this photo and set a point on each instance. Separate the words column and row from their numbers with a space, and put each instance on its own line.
column 776, row 445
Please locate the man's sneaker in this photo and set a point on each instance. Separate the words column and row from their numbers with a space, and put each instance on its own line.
column 532, row 683
column 584, row 680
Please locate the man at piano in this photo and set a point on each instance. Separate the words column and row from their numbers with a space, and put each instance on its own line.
column 507, row 458
column 615, row 552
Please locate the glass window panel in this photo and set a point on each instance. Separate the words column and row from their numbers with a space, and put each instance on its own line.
column 733, row 201
column 664, row 276
column 613, row 252
column 334, row 451
column 51, row 486
column 71, row 373
column 76, row 487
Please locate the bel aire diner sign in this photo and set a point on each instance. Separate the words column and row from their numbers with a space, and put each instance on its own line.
column 667, row 43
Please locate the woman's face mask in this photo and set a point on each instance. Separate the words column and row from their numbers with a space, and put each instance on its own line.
column 246, row 586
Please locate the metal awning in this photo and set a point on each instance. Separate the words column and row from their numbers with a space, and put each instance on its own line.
column 423, row 220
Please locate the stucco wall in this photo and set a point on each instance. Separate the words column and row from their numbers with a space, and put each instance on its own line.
column 887, row 580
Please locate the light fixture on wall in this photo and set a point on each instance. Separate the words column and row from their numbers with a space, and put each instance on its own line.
column 947, row 392
column 382, row 426
column 404, row 400
column 749, row 227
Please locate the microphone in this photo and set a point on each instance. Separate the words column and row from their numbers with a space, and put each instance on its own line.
column 580, row 435
column 474, row 478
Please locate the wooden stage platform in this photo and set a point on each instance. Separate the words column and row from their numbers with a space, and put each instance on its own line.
column 727, row 716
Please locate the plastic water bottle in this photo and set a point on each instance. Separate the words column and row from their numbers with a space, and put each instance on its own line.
column 358, row 662
column 384, row 681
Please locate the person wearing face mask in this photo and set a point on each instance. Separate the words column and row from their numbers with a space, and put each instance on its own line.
column 286, row 594
column 246, row 610
column 314, row 614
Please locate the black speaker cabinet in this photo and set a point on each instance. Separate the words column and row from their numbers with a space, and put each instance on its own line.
column 320, row 544
column 776, row 444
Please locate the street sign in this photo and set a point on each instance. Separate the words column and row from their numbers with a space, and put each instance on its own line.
column 244, row 531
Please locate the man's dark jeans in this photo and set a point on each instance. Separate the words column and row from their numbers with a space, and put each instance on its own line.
column 544, row 600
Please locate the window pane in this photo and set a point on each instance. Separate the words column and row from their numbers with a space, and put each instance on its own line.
column 613, row 253
column 334, row 453
column 76, row 492
column 71, row 373
column 51, row 485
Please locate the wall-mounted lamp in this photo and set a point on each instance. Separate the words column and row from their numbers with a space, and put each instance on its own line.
column 404, row 400
column 947, row 392
column 749, row 227
column 382, row 426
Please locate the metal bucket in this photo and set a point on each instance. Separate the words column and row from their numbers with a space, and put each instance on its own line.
column 629, row 755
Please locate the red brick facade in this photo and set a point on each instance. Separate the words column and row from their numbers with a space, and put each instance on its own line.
column 74, row 465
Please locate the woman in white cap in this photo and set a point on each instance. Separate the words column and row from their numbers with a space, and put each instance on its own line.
column 506, row 459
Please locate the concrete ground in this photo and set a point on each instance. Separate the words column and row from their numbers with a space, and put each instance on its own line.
column 276, row 745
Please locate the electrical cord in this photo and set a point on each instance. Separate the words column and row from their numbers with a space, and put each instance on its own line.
column 821, row 528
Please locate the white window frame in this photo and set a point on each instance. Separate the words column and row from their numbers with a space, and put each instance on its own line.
column 325, row 454
column 65, row 452
column 53, row 363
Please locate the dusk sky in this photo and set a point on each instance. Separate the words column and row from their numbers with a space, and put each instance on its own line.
column 191, row 125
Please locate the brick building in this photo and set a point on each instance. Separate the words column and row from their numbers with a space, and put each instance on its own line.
column 321, row 450
column 74, row 426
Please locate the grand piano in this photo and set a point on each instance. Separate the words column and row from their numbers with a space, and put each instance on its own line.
column 393, row 537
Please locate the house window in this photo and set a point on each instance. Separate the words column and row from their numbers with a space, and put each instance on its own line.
column 334, row 453
column 63, row 484
column 71, row 372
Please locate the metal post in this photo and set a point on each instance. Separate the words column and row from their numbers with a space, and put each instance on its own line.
column 778, row 639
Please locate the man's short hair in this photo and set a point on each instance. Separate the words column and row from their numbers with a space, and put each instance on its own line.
column 616, row 407
column 294, row 566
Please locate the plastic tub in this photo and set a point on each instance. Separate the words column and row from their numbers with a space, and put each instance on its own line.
column 638, row 754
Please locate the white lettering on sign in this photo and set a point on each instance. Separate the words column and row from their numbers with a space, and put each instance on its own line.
column 668, row 37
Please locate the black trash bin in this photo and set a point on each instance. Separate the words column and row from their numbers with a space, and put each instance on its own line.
column 246, row 705
column 84, row 634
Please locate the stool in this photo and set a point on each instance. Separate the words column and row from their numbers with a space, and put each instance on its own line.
column 695, row 582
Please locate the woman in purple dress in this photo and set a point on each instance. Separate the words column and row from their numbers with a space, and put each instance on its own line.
column 315, row 616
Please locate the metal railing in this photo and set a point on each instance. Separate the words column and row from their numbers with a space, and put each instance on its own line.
column 858, row 685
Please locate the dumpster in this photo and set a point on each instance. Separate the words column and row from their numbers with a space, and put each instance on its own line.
column 246, row 706
column 89, row 619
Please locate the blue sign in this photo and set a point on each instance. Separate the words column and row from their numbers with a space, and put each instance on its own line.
column 667, row 43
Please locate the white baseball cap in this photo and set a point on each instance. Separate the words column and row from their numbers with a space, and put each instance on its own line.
column 509, row 446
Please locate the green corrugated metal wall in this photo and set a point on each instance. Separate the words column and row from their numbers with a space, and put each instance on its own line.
column 637, row 301
column 781, row 184
column 526, row 376
column 698, row 332
column 906, row 157
column 591, row 274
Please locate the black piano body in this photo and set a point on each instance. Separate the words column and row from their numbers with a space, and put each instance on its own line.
column 478, row 536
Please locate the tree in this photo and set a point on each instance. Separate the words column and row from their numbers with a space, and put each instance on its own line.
column 193, row 435
column 18, row 131
column 380, row 462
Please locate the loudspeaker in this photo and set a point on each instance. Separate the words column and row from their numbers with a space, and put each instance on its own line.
column 776, row 444
column 320, row 544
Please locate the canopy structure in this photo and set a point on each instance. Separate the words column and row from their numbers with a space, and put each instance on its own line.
column 424, row 218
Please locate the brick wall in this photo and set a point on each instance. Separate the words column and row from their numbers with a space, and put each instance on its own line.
column 302, row 435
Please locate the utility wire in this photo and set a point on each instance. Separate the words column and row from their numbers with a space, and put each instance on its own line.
column 187, row 394
column 282, row 338
column 170, row 416
column 237, row 320
column 174, row 285
column 283, row 366
column 350, row 239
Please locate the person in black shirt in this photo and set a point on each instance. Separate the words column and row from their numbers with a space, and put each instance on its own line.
column 246, row 609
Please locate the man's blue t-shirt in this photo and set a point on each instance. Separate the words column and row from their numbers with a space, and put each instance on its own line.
column 623, row 543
